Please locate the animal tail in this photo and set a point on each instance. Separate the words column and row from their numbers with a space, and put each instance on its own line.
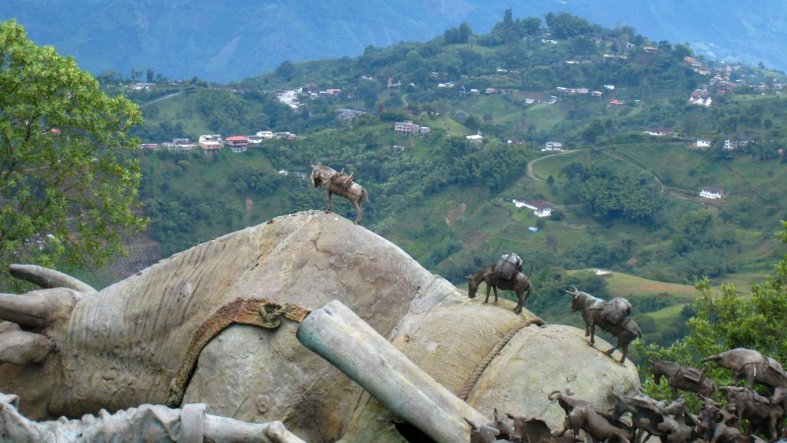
column 364, row 197
column 712, row 357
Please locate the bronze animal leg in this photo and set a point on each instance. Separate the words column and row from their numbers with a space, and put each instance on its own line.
column 523, row 295
column 327, row 198
column 358, row 211
column 623, row 346
column 489, row 288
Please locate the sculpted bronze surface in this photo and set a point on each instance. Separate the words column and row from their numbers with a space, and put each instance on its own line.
column 581, row 415
column 683, row 377
column 341, row 184
column 518, row 283
column 668, row 421
column 612, row 316
column 763, row 415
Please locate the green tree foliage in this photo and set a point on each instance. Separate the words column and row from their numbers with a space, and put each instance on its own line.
column 225, row 112
column 509, row 29
column 286, row 70
column 68, row 186
column 757, row 320
column 609, row 195
column 564, row 25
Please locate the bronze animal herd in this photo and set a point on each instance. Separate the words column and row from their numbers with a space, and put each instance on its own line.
column 747, row 417
column 758, row 415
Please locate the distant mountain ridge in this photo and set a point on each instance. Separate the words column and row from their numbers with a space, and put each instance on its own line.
column 236, row 39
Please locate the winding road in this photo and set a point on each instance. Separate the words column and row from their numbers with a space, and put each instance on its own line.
column 665, row 189
column 532, row 175
column 163, row 97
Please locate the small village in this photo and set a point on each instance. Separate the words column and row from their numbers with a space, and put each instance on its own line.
column 212, row 143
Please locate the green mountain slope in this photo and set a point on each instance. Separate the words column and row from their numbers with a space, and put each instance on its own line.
column 624, row 201
column 232, row 40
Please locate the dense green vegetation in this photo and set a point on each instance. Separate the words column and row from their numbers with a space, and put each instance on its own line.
column 68, row 178
column 625, row 201
column 756, row 320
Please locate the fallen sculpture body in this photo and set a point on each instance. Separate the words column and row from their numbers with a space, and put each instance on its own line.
column 216, row 324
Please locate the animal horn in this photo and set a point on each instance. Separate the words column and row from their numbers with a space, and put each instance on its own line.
column 575, row 292
column 48, row 278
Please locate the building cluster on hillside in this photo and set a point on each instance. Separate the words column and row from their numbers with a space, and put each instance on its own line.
column 409, row 128
column 212, row 143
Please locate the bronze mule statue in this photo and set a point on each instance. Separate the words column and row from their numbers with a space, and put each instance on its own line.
column 764, row 416
column 341, row 184
column 519, row 283
column 751, row 365
column 594, row 312
column 683, row 377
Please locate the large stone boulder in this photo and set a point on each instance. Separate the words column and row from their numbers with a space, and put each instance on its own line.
column 144, row 339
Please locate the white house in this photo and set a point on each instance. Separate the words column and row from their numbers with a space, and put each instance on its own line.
column 541, row 208
column 711, row 193
column 703, row 144
column 475, row 137
column 552, row 146
column 658, row 132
